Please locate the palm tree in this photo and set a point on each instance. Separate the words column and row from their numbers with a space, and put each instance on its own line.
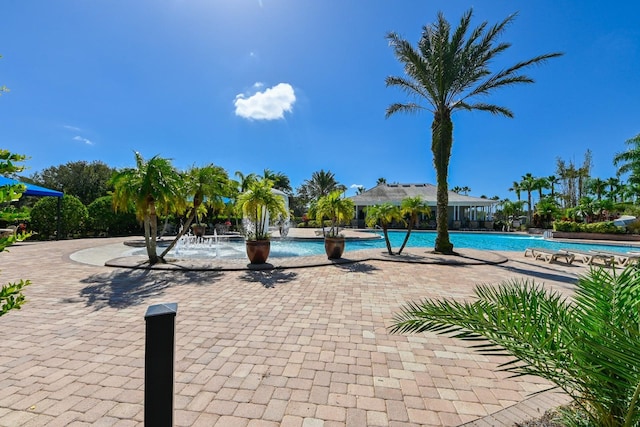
column 381, row 180
column 541, row 184
column 516, row 187
column 466, row 190
column 280, row 180
column 360, row 189
column 257, row 203
column 384, row 215
column 628, row 162
column 596, row 186
column 457, row 189
column 336, row 208
column 528, row 184
column 412, row 206
column 587, row 346
column 245, row 180
column 553, row 181
column 321, row 184
column 209, row 183
column 614, row 188
column 447, row 71
column 154, row 186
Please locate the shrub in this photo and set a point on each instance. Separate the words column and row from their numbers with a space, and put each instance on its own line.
column 104, row 219
column 607, row 227
column 73, row 216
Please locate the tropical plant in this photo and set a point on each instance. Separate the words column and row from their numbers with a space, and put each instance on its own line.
column 447, row 71
column 257, row 204
column 337, row 209
column 73, row 217
column 280, row 180
column 528, row 184
column 589, row 346
column 154, row 187
column 413, row 207
column 11, row 296
column 321, row 184
column 205, row 185
column 384, row 215
column 553, row 180
column 628, row 162
column 381, row 180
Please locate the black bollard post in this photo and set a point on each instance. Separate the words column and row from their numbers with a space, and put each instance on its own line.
column 159, row 364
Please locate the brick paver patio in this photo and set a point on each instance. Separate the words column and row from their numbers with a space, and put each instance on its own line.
column 291, row 347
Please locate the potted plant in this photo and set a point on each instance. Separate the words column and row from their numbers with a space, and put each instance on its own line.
column 338, row 210
column 257, row 204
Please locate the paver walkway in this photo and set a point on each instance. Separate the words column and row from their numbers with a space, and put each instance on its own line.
column 290, row 347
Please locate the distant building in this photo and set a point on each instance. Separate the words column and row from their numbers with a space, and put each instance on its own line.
column 464, row 211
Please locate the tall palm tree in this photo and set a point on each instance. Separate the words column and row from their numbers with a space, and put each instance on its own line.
column 614, row 185
column 384, row 215
column 412, row 206
column 553, row 181
column 204, row 184
column 321, row 184
column 541, row 184
column 154, row 186
column 245, row 180
column 596, row 186
column 280, row 180
column 587, row 345
column 528, row 184
column 516, row 188
column 628, row 162
column 447, row 70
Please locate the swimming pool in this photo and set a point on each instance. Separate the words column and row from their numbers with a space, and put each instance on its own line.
column 424, row 239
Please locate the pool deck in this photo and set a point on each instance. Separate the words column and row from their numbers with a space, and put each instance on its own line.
column 287, row 345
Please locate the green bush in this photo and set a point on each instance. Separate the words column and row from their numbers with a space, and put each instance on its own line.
column 73, row 216
column 104, row 219
column 607, row 227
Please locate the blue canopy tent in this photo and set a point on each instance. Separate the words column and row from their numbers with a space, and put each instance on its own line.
column 37, row 191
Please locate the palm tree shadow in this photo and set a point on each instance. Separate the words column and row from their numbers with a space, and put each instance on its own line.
column 357, row 267
column 125, row 288
column 268, row 278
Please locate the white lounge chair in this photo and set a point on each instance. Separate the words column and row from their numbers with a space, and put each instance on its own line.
column 587, row 257
column 549, row 255
column 620, row 258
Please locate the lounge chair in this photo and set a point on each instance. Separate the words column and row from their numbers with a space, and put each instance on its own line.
column 621, row 258
column 549, row 255
column 587, row 257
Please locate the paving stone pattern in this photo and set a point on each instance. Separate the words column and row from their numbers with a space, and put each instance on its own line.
column 286, row 347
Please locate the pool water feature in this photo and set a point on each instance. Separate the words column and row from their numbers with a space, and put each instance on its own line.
column 232, row 248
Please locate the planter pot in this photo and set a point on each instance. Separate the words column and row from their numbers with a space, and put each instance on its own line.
column 334, row 247
column 198, row 229
column 258, row 251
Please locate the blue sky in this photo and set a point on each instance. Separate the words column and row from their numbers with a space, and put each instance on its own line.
column 298, row 85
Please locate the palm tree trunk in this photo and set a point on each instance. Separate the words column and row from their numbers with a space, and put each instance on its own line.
column 386, row 240
column 152, row 229
column 409, row 228
column 442, row 139
column 181, row 233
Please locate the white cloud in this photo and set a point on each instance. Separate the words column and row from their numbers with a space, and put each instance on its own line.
column 258, row 85
column 356, row 185
column 73, row 128
column 81, row 139
column 271, row 104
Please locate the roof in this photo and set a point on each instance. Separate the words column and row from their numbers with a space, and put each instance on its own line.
column 32, row 189
column 395, row 193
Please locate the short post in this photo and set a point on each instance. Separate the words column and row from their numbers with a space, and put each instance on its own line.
column 159, row 364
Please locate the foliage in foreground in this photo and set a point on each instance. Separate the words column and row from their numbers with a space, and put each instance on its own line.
column 11, row 296
column 588, row 347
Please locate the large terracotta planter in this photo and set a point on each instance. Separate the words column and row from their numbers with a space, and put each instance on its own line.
column 334, row 247
column 258, row 251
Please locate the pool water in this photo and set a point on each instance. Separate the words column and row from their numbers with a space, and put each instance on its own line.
column 420, row 239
